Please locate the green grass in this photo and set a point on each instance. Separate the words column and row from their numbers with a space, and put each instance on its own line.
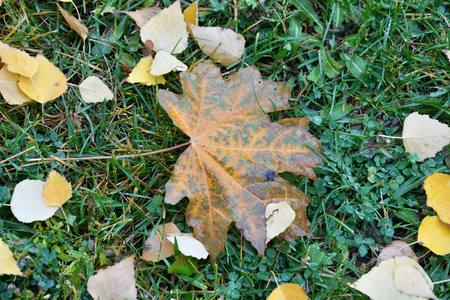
column 368, row 191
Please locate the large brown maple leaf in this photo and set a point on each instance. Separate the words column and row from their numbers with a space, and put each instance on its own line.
column 230, row 170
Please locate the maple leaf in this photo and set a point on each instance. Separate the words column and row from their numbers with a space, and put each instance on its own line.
column 234, row 145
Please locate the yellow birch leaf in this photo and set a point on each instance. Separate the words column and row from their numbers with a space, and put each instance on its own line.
column 18, row 61
column 167, row 30
column 75, row 24
column 47, row 84
column 8, row 264
column 288, row 291
column 56, row 190
column 9, row 88
column 158, row 246
column 191, row 16
column 141, row 73
column 435, row 235
column 437, row 187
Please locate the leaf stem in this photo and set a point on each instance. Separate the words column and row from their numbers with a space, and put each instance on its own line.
column 111, row 156
column 17, row 155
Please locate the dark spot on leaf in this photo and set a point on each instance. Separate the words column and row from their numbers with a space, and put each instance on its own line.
column 270, row 176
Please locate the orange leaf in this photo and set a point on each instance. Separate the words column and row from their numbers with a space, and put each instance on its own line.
column 437, row 187
column 230, row 170
column 75, row 24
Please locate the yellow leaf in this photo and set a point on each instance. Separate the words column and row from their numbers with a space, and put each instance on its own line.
column 288, row 291
column 56, row 190
column 223, row 45
column 191, row 16
column 93, row 90
column 18, row 61
column 435, row 235
column 167, row 30
column 9, row 88
column 165, row 62
column 47, row 84
column 158, row 246
column 75, row 24
column 437, row 187
column 8, row 264
column 141, row 73
column 424, row 136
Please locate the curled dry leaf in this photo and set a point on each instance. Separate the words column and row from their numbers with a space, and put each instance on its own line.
column 27, row 204
column 400, row 278
column 188, row 245
column 158, row 246
column 396, row 248
column 8, row 264
column 75, row 24
column 18, row 61
column 93, row 90
column 47, row 84
column 288, row 291
column 9, row 88
column 114, row 283
column 164, row 63
column 279, row 216
column 223, row 45
column 233, row 147
column 142, row 16
column 167, row 30
column 437, row 187
column 424, row 136
column 435, row 235
column 141, row 73
column 56, row 190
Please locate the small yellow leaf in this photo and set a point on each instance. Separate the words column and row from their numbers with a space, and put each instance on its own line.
column 223, row 45
column 75, row 24
column 165, row 62
column 56, row 190
column 141, row 73
column 437, row 187
column 93, row 90
column 9, row 88
column 435, row 235
column 288, row 291
column 191, row 15
column 8, row 264
column 158, row 246
column 167, row 30
column 47, row 84
column 18, row 61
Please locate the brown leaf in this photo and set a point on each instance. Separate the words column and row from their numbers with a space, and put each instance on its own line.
column 142, row 16
column 230, row 170
column 158, row 246
column 148, row 48
column 75, row 24
column 396, row 248
column 114, row 283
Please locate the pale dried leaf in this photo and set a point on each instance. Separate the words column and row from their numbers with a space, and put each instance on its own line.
column 424, row 136
column 165, row 62
column 18, row 61
column 396, row 248
column 93, row 90
column 75, row 24
column 142, row 16
column 114, row 283
column 279, row 216
column 447, row 53
column 9, row 88
column 167, row 30
column 27, row 204
column 188, row 245
column 8, row 264
column 223, row 45
column 158, row 246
